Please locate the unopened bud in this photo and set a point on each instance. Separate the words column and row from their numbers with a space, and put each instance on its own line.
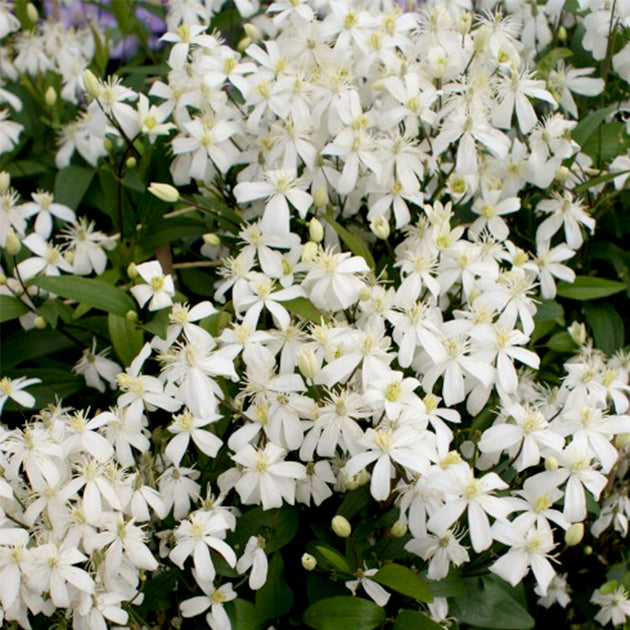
column 243, row 44
column 252, row 31
column 562, row 172
column 108, row 145
column 3, row 279
column 31, row 12
column 316, row 230
column 551, row 464
column 309, row 562
column 399, row 529
column 165, row 192
column 212, row 239
column 341, row 526
column 5, row 181
column 131, row 162
column 309, row 251
column 464, row 22
column 51, row 96
column 132, row 271
column 13, row 244
column 365, row 293
column 380, row 227
column 573, row 536
column 320, row 197
column 363, row 476
column 562, row 34
column 577, row 331
column 588, row 550
column 622, row 440
column 307, row 362
column 92, row 85
column 39, row 322
column 131, row 316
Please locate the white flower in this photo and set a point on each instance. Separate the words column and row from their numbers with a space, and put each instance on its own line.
column 159, row 288
column 187, row 426
column 615, row 605
column 14, row 389
column 529, row 547
column 372, row 588
column 254, row 557
column 96, row 367
column 267, row 479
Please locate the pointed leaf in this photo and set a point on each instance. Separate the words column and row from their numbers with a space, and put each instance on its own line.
column 405, row 581
column 344, row 613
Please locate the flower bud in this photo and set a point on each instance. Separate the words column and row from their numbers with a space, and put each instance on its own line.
column 212, row 239
column 341, row 526
column 243, row 44
column 588, row 550
column 464, row 22
column 131, row 316
column 132, row 271
column 165, row 192
column 320, row 197
column 308, row 561
column 307, row 362
column 13, row 244
column 131, row 162
column 562, row 172
column 365, row 293
column 92, row 85
column 108, row 145
column 3, row 280
column 562, row 34
column 309, row 251
column 551, row 464
column 399, row 529
column 482, row 35
column 51, row 96
column 573, row 536
column 577, row 331
column 315, row 230
column 31, row 12
column 39, row 322
column 5, row 181
column 380, row 227
column 252, row 31
column 622, row 440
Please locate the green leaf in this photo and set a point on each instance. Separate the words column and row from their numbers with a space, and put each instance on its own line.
column 589, row 124
column 277, row 526
column 354, row 501
column 25, row 346
column 126, row 337
column 331, row 557
column 157, row 592
column 71, row 184
column 403, row 580
column 607, row 326
column 11, row 308
column 490, row 603
column 414, row 620
column 304, row 308
column 52, row 310
column 606, row 142
column 275, row 598
column 589, row 288
column 550, row 313
column 344, row 613
column 598, row 180
column 26, row 168
column 243, row 615
column 561, row 342
column 353, row 241
column 159, row 323
column 95, row 293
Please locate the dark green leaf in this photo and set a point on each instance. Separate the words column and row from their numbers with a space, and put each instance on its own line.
column 414, row 620
column 28, row 345
column 489, row 604
column 11, row 308
column 303, row 307
column 275, row 598
column 561, row 342
column 344, row 613
column 589, row 124
column 589, row 288
column 172, row 230
column 403, row 580
column 243, row 615
column 607, row 326
column 26, row 168
column 157, row 592
column 95, row 293
column 353, row 241
column 126, row 337
column 277, row 526
column 71, row 184
column 354, row 501
column 602, row 179
column 329, row 557
column 159, row 323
